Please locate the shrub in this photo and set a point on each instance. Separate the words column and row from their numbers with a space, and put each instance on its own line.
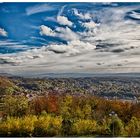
column 47, row 126
column 133, row 127
column 55, row 126
column 14, row 127
column 67, row 127
column 84, row 127
column 27, row 126
column 41, row 126
column 31, row 126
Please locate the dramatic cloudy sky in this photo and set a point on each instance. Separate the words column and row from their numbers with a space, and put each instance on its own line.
column 39, row 38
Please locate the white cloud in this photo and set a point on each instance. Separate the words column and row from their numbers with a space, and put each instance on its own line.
column 61, row 10
column 58, row 48
column 90, row 25
column 72, row 48
column 39, row 8
column 64, row 21
column 63, row 33
column 110, row 3
column 85, row 16
column 50, row 19
column 44, row 30
column 66, row 34
column 8, row 43
column 81, row 45
column 3, row 33
column 135, row 15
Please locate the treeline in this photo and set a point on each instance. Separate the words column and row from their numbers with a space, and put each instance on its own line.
column 68, row 116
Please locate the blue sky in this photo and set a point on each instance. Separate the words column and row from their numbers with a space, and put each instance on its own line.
column 22, row 20
column 84, row 37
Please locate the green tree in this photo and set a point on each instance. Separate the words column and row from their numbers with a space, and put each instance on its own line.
column 116, row 127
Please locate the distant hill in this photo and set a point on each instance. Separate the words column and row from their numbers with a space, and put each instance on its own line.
column 111, row 87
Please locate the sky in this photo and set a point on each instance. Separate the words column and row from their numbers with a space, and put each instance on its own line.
column 41, row 38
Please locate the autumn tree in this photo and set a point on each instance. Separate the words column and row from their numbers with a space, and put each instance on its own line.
column 84, row 127
column 15, row 105
column 6, row 86
column 65, row 106
column 133, row 127
column 52, row 104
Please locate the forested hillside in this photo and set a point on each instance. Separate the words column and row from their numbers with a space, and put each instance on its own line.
column 69, row 107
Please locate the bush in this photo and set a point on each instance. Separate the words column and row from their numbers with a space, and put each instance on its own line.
column 133, row 127
column 67, row 127
column 41, row 126
column 84, row 127
column 47, row 126
column 14, row 127
column 31, row 126
column 27, row 126
column 55, row 126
